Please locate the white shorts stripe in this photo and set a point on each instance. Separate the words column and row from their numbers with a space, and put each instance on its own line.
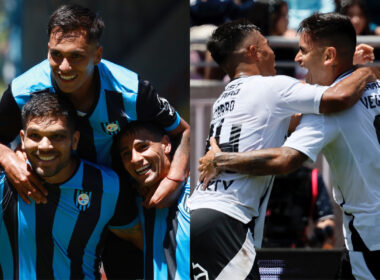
column 240, row 266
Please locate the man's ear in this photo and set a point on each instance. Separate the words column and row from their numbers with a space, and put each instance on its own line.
column 22, row 134
column 76, row 136
column 98, row 55
column 252, row 51
column 329, row 56
column 167, row 145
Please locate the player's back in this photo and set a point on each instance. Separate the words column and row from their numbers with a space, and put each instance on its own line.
column 353, row 156
column 252, row 113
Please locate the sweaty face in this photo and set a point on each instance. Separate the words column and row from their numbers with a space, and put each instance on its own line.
column 266, row 57
column 48, row 144
column 310, row 57
column 72, row 60
column 145, row 158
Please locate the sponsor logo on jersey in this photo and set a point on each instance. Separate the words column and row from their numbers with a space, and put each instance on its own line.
column 111, row 128
column 82, row 199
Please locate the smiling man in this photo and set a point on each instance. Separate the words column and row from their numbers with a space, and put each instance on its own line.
column 107, row 98
column 253, row 112
column 61, row 239
column 145, row 152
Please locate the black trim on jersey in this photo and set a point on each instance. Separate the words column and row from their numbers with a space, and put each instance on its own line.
column 10, row 217
column 371, row 258
column 86, row 145
column 170, row 242
column 126, row 209
column 10, row 117
column 86, row 221
column 151, row 107
column 150, row 215
column 45, row 214
column 1, row 274
column 100, row 246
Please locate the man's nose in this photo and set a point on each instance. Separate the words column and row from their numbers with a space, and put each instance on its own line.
column 45, row 144
column 65, row 65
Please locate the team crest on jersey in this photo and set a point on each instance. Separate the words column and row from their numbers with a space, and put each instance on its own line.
column 82, row 199
column 111, row 128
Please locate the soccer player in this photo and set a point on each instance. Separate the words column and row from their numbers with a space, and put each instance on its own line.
column 350, row 141
column 62, row 238
column 145, row 151
column 252, row 113
column 107, row 97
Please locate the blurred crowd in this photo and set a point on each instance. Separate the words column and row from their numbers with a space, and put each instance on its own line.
column 274, row 18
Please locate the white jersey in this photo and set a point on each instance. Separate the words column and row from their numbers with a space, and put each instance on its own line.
column 252, row 113
column 351, row 144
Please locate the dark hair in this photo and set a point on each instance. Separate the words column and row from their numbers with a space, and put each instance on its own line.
column 72, row 17
column 135, row 127
column 275, row 13
column 346, row 4
column 331, row 29
column 227, row 37
column 49, row 105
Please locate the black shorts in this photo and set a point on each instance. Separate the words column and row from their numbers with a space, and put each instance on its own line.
column 221, row 247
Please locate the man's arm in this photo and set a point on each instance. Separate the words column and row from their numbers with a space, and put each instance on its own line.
column 347, row 92
column 260, row 162
column 21, row 176
column 134, row 234
column 169, row 189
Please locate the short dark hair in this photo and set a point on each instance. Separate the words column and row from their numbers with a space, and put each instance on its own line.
column 49, row 105
column 227, row 38
column 72, row 17
column 331, row 29
column 135, row 127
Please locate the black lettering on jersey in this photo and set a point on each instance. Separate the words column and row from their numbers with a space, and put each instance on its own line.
column 373, row 85
column 224, row 108
column 371, row 101
column 214, row 184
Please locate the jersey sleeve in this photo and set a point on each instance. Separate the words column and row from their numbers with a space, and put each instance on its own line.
column 298, row 96
column 10, row 117
column 153, row 108
column 126, row 213
column 311, row 135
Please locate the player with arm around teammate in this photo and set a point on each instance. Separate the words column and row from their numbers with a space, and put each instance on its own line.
column 146, row 154
column 252, row 113
column 349, row 140
column 107, row 97
column 62, row 238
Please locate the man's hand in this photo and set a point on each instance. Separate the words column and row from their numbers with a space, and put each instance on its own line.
column 164, row 195
column 206, row 167
column 22, row 177
column 363, row 54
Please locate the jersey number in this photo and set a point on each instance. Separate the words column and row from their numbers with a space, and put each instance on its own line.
column 233, row 143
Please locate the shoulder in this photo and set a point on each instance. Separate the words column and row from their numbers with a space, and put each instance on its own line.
column 116, row 77
column 35, row 79
column 110, row 179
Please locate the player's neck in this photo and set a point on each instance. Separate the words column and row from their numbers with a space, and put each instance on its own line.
column 84, row 98
column 244, row 70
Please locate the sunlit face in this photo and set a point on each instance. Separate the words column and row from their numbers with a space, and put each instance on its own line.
column 48, row 144
column 310, row 57
column 266, row 57
column 144, row 158
column 357, row 18
column 72, row 60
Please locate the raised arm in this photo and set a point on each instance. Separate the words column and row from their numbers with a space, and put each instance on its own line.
column 347, row 92
column 169, row 189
